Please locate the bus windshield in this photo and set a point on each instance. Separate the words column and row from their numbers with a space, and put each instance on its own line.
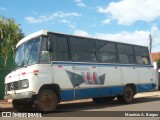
column 27, row 53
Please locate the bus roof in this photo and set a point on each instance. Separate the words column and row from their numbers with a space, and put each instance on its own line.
column 45, row 32
column 29, row 37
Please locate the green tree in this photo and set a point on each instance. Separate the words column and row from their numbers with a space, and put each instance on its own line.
column 10, row 34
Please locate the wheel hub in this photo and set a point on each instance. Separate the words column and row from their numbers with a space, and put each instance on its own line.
column 47, row 101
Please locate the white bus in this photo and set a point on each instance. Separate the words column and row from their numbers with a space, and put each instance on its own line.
column 54, row 67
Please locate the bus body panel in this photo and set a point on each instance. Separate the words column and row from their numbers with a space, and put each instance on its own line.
column 61, row 78
column 89, row 86
column 13, row 76
column 112, row 75
column 145, row 74
column 38, row 75
column 111, row 85
column 113, row 81
column 35, row 80
column 127, row 72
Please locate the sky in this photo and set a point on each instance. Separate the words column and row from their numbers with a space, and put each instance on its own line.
column 128, row 21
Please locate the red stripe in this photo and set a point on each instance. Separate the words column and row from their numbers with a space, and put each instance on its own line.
column 88, row 78
column 59, row 66
column 94, row 78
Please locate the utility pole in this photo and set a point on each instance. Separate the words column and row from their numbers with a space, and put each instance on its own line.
column 150, row 43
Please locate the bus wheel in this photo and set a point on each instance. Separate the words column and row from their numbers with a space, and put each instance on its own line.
column 128, row 95
column 22, row 105
column 46, row 101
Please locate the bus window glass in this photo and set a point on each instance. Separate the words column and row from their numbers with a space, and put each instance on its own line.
column 82, row 44
column 142, row 60
column 19, row 56
column 84, row 56
column 54, row 43
column 103, row 46
column 141, row 51
column 44, row 53
column 27, row 51
column 60, row 48
column 33, row 58
column 125, row 54
column 107, row 57
column 125, row 49
column 141, row 55
column 60, row 56
column 126, row 59
column 62, row 44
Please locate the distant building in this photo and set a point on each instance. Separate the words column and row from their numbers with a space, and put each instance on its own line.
column 155, row 56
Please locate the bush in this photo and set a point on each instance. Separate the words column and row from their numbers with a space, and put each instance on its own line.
column 158, row 62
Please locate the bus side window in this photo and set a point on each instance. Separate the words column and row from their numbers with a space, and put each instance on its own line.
column 125, row 54
column 141, row 55
column 83, row 56
column 142, row 60
column 74, row 57
column 145, row 60
column 106, row 52
column 44, row 54
column 59, row 44
column 82, row 50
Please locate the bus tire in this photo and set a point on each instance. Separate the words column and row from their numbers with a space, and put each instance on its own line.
column 22, row 105
column 46, row 101
column 128, row 95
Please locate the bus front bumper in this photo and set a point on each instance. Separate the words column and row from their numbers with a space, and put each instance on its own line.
column 22, row 95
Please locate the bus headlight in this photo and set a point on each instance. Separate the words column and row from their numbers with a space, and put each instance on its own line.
column 24, row 83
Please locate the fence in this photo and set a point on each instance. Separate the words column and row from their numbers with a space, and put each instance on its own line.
column 159, row 80
column 3, row 72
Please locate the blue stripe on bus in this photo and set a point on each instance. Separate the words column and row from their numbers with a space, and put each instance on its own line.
column 144, row 87
column 112, row 91
column 67, row 95
column 99, row 64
